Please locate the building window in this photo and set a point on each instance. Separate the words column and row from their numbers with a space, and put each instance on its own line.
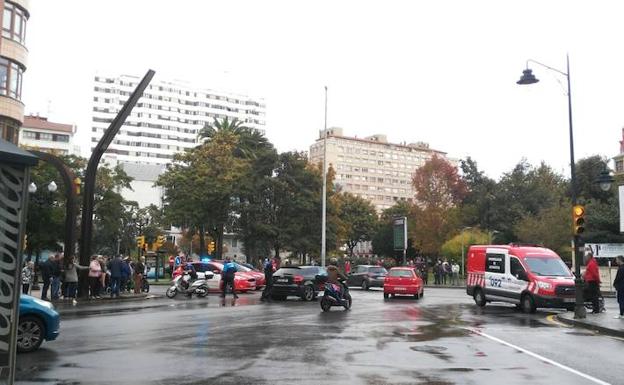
column 9, row 130
column 14, row 23
column 10, row 79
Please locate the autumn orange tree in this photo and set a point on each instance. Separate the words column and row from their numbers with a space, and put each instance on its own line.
column 435, row 214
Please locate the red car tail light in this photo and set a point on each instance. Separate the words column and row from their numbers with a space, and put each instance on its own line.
column 298, row 278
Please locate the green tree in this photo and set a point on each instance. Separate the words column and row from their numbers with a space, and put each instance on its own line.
column 551, row 227
column 525, row 191
column 383, row 244
column 111, row 211
column 476, row 209
column 201, row 184
column 358, row 218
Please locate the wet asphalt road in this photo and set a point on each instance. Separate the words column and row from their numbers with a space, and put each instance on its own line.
column 441, row 339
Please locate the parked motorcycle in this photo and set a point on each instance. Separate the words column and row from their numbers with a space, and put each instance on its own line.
column 334, row 295
column 182, row 285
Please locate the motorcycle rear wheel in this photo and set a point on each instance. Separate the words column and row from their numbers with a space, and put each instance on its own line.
column 171, row 292
column 202, row 291
column 349, row 302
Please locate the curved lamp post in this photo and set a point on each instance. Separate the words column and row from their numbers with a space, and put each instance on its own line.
column 529, row 78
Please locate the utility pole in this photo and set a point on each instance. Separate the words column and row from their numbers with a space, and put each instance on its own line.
column 324, row 214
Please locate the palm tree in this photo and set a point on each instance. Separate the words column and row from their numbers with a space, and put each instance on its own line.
column 250, row 141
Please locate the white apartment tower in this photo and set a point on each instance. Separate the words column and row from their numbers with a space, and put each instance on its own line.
column 167, row 118
column 372, row 168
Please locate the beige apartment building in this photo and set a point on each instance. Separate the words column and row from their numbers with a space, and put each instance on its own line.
column 371, row 167
column 13, row 54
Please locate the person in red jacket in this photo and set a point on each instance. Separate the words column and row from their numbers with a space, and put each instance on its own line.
column 592, row 279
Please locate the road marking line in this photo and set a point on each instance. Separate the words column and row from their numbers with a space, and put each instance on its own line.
column 542, row 358
column 552, row 319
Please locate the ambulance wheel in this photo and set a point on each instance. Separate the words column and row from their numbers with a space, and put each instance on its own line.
column 528, row 304
column 479, row 297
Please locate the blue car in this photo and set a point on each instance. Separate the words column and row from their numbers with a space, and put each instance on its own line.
column 38, row 321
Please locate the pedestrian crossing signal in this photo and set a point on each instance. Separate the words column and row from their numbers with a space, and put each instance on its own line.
column 578, row 216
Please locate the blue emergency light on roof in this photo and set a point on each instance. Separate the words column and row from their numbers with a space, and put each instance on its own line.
column 205, row 259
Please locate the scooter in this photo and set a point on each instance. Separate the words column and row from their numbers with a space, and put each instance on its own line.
column 334, row 295
column 181, row 285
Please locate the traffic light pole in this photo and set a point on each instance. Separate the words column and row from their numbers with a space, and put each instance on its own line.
column 579, row 308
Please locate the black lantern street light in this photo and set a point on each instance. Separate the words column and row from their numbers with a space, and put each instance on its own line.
column 605, row 179
column 529, row 78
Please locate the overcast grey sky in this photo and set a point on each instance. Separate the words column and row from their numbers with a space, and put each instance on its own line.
column 443, row 72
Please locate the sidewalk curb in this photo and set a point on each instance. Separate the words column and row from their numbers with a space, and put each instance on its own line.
column 590, row 326
column 89, row 302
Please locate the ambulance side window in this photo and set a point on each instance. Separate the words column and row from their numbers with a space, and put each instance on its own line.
column 495, row 263
column 516, row 268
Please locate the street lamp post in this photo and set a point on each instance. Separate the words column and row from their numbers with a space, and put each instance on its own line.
column 463, row 252
column 529, row 78
column 324, row 204
column 491, row 235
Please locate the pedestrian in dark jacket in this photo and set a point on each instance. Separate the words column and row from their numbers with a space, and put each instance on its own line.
column 227, row 277
column 115, row 266
column 619, row 285
column 45, row 268
column 269, row 269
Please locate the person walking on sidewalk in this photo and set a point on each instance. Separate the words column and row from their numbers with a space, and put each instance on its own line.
column 618, row 283
column 27, row 277
column 95, row 271
column 229, row 271
column 592, row 278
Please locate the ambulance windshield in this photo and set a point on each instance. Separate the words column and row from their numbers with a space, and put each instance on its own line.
column 548, row 266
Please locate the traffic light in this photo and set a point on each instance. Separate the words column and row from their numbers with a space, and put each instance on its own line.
column 25, row 242
column 140, row 241
column 160, row 240
column 578, row 216
column 211, row 247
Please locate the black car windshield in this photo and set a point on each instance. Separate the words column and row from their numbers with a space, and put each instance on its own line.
column 378, row 270
column 548, row 266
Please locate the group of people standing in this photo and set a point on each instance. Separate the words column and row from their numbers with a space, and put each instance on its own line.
column 446, row 273
column 116, row 272
column 60, row 279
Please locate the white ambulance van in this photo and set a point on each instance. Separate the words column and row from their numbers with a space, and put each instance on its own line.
column 529, row 276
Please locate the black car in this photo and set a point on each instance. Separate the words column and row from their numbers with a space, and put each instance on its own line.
column 297, row 281
column 367, row 276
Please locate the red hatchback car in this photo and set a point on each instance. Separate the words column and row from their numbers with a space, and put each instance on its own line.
column 403, row 281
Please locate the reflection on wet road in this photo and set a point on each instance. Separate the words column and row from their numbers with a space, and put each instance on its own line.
column 437, row 340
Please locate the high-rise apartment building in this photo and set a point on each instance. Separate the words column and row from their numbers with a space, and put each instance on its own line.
column 13, row 55
column 372, row 168
column 167, row 118
column 39, row 133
